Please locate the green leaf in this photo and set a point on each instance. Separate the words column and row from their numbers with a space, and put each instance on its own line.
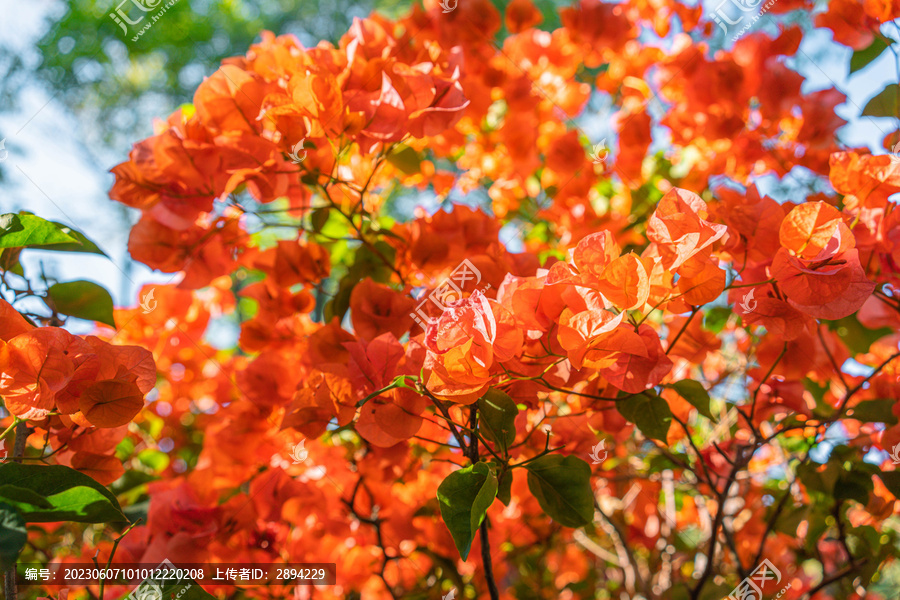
column 504, row 490
column 861, row 58
column 498, row 418
column 884, row 104
column 696, row 394
column 562, row 486
column 405, row 159
column 874, row 411
column 715, row 319
column 23, row 497
column 318, row 218
column 649, row 412
column 26, row 230
column 853, row 485
column 84, row 300
column 13, row 535
column 857, row 337
column 72, row 496
column 465, row 496
column 82, row 242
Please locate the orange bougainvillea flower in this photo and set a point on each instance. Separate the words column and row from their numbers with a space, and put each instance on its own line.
column 37, row 368
column 376, row 308
column 111, row 403
column 817, row 266
column 465, row 346
column 395, row 416
column 679, row 229
column 521, row 14
column 637, row 368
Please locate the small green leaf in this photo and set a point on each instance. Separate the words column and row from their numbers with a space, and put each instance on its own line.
column 649, row 412
column 13, row 535
column 874, row 411
column 72, row 496
column 498, row 418
column 884, row 104
column 696, row 394
column 716, row 318
column 861, row 58
column 562, row 486
column 318, row 218
column 84, row 300
column 465, row 496
column 406, row 160
column 504, row 490
column 26, row 230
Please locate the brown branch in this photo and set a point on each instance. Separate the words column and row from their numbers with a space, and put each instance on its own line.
column 9, row 577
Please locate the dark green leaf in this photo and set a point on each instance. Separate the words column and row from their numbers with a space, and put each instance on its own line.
column 857, row 337
column 696, row 394
column 874, row 411
column 72, row 496
column 861, row 58
column 790, row 520
column 853, row 485
column 498, row 418
column 465, row 496
column 504, row 490
column 25, row 230
column 318, row 218
column 338, row 306
column 649, row 412
column 562, row 487
column 84, row 300
column 884, row 104
column 23, row 498
column 12, row 535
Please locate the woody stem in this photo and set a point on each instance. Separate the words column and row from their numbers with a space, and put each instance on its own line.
column 485, row 541
column 9, row 585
